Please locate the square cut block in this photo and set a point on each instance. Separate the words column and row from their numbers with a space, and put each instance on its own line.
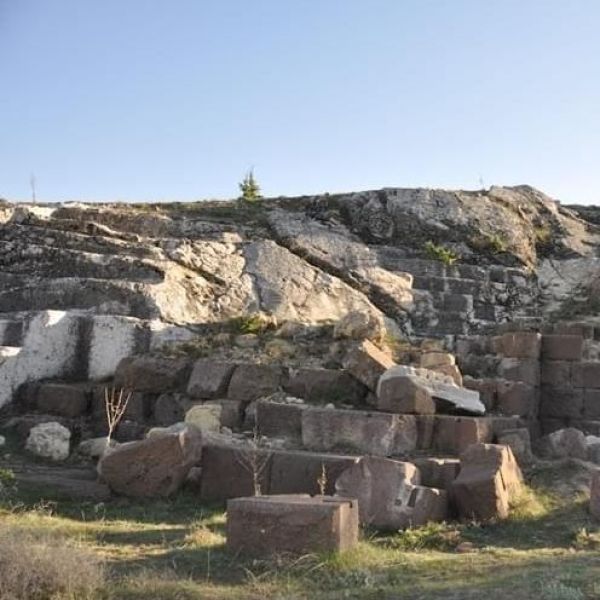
column 278, row 419
column 526, row 370
column 264, row 526
column 557, row 372
column 586, row 375
column 521, row 344
column 66, row 400
column 561, row 402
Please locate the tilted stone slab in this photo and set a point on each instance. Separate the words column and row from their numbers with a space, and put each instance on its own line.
column 399, row 384
column 298, row 524
column 488, row 481
column 367, row 363
column 361, row 432
column 389, row 495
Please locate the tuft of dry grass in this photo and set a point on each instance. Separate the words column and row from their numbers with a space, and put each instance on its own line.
column 44, row 567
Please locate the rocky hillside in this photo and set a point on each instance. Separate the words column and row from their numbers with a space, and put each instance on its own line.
column 82, row 285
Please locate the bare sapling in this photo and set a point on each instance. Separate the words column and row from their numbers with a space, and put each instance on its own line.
column 322, row 480
column 115, row 403
column 254, row 460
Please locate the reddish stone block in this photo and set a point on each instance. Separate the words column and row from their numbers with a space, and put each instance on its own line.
column 487, row 389
column 274, row 419
column 367, row 363
column 210, row 379
column 521, row 344
column 269, row 525
column 250, row 382
column 325, row 385
column 526, row 370
column 562, row 347
column 438, row 473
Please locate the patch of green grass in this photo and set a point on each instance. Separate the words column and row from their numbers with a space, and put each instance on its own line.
column 489, row 243
column 175, row 549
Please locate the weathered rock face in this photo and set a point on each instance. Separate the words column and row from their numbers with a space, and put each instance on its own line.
column 103, row 282
column 154, row 467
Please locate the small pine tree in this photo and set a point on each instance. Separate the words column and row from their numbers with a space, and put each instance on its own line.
column 250, row 188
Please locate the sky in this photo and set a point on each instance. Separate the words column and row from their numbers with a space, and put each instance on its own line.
column 174, row 100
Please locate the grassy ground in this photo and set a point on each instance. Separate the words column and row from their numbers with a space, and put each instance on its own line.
column 175, row 549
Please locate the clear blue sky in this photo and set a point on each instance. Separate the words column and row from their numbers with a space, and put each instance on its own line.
column 175, row 99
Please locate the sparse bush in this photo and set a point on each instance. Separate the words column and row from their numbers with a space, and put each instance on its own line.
column 250, row 188
column 8, row 484
column 491, row 243
column 441, row 253
column 44, row 568
column 256, row 323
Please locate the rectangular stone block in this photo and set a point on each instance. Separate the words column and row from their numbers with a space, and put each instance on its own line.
column 585, row 330
column 63, row 399
column 556, row 372
column 521, row 344
column 591, row 404
column 297, row 472
column 227, row 472
column 210, row 379
column 425, row 430
column 274, row 419
column 250, row 382
column 562, row 347
column 154, row 374
column 517, row 398
column 361, row 432
column 325, row 385
column 526, row 370
column 561, row 402
column 586, row 375
column 453, row 434
column 487, row 388
column 270, row 525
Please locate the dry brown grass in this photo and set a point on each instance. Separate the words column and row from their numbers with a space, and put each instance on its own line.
column 45, row 567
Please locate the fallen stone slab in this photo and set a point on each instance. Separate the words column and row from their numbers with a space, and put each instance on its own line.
column 389, row 495
column 264, row 526
column 402, row 387
column 367, row 363
column 154, row 467
column 300, row 472
column 360, row 432
column 489, row 480
column 228, row 472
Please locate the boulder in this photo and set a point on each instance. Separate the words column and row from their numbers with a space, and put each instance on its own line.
column 49, row 440
column 563, row 443
column 95, row 447
column 170, row 408
column 389, row 495
column 488, row 481
column 367, row 363
column 154, row 467
column 205, row 417
column 402, row 387
column 210, row 379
